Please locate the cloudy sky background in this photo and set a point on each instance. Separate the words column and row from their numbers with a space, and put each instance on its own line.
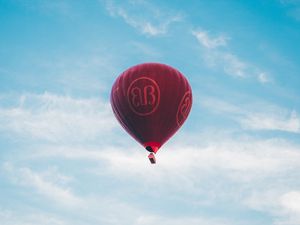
column 64, row 160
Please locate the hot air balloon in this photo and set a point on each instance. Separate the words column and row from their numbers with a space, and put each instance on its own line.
column 151, row 101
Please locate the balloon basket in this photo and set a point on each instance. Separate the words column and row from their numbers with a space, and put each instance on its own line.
column 152, row 159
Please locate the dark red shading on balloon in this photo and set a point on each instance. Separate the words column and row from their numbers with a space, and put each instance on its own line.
column 151, row 101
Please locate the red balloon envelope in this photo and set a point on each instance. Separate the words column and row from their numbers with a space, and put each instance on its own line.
column 151, row 101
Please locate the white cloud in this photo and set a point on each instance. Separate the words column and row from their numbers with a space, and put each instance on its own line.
column 228, row 62
column 279, row 202
column 229, row 171
column 225, row 60
column 50, row 184
column 210, row 42
column 291, row 201
column 153, row 220
column 56, row 118
column 256, row 116
column 232, row 65
column 263, row 78
column 242, row 172
column 274, row 121
column 256, row 158
column 143, row 16
column 103, row 210
column 9, row 217
column 241, row 160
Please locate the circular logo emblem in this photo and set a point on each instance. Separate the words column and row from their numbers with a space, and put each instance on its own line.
column 184, row 108
column 143, row 95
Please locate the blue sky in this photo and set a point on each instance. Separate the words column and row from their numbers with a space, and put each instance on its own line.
column 65, row 160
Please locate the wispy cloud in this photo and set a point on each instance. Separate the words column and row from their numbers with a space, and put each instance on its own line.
column 291, row 201
column 155, row 219
column 56, row 118
column 11, row 217
column 266, row 116
column 248, row 165
column 228, row 62
column 263, row 77
column 281, row 203
column 224, row 59
column 229, row 170
column 259, row 170
column 50, row 183
column 143, row 16
column 210, row 42
column 289, row 122
column 243, row 159
column 96, row 210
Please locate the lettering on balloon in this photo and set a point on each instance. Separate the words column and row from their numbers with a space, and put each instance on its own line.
column 143, row 96
column 184, row 108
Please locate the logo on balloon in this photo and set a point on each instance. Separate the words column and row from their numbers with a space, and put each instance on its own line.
column 143, row 96
column 184, row 108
